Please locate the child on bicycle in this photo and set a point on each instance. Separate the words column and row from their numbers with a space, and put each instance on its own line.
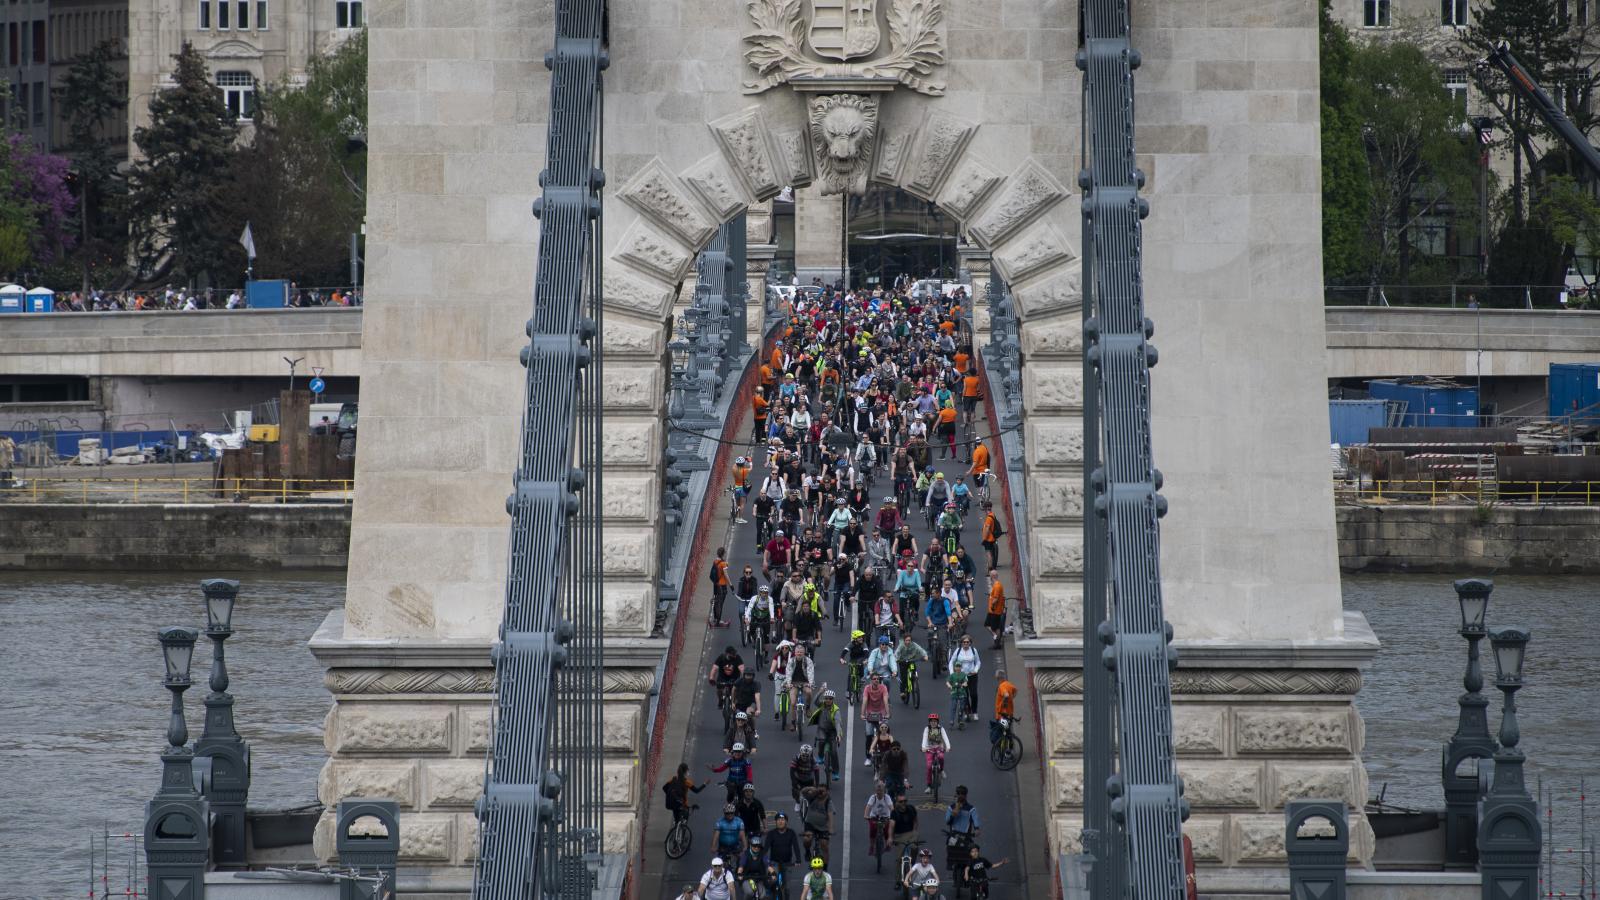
column 935, row 744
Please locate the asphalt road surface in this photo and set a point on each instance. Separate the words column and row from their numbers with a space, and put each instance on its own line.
column 995, row 793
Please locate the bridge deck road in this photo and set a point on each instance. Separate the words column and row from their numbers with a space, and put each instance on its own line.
column 995, row 793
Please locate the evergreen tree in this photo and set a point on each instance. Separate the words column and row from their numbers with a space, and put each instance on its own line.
column 91, row 95
column 177, row 191
column 1345, row 188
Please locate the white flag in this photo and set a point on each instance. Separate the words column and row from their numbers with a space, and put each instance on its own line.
column 248, row 241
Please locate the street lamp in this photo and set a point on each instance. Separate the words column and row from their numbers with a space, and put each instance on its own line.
column 176, row 839
column 1471, row 743
column 1509, row 837
column 220, row 742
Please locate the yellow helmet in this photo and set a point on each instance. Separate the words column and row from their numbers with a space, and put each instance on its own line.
column 857, row 635
column 816, row 863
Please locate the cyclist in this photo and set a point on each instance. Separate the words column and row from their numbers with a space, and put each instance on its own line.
column 960, row 608
column 869, row 590
column 838, row 520
column 677, row 790
column 938, row 495
column 826, row 719
column 778, row 669
column 874, row 706
column 908, row 586
column 896, row 769
column 741, row 486
column 726, row 666
column 904, row 540
column 759, row 611
column 783, row 846
column 938, row 613
column 878, row 809
column 948, row 527
column 903, row 821
column 728, row 833
column 751, row 811
column 995, row 621
column 957, row 680
column 763, row 508
column 741, row 730
column 935, row 744
column 717, row 883
column 888, row 519
column 779, row 553
column 844, row 583
column 855, row 655
column 818, row 884
column 962, row 495
column 961, row 819
column 882, row 662
column 922, row 871
column 975, row 871
column 1005, row 698
column 747, row 695
column 801, row 674
column 805, row 626
column 752, row 864
column 740, row 771
column 804, row 773
column 970, row 661
column 906, row 656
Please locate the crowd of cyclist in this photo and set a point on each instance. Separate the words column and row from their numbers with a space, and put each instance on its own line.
column 857, row 395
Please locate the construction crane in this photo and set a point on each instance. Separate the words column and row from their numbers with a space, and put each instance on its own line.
column 1503, row 59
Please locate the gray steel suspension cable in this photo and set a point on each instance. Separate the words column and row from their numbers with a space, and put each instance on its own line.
column 540, row 814
column 1145, row 794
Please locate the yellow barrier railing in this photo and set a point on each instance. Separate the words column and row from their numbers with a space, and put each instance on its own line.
column 51, row 489
column 1447, row 493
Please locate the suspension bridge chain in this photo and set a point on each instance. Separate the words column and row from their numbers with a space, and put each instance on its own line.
column 1146, row 801
column 539, row 817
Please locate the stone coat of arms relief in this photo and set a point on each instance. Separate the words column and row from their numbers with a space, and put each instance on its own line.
column 845, row 55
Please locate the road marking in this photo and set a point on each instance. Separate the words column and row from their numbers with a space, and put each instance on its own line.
column 849, row 802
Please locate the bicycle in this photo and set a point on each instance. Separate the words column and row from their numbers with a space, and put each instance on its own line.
column 878, row 840
column 725, row 703
column 853, row 686
column 828, row 755
column 841, row 600
column 784, row 704
column 937, row 775
column 1006, row 750
column 936, row 655
column 800, row 705
column 910, row 688
column 908, row 858
column 680, row 837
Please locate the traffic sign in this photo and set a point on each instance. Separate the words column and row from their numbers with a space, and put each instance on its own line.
column 318, row 385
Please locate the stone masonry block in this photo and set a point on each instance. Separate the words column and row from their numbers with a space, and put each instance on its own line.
column 1056, row 498
column 1296, row 731
column 627, row 340
column 1060, row 295
column 748, row 145
column 938, row 145
column 1209, row 834
column 628, row 607
column 618, row 827
column 621, row 727
column 658, row 194
column 1197, row 728
column 1027, row 194
column 1054, row 441
column 619, row 782
column 1222, row 784
column 467, row 838
column 452, row 782
column 630, row 498
column 1298, row 781
column 1065, row 778
column 629, row 551
column 1058, row 607
column 426, row 837
column 1258, row 838
column 1057, row 552
column 633, row 388
column 1063, row 728
column 1052, row 388
column 1053, row 338
column 967, row 187
column 632, row 292
column 649, row 248
column 346, row 778
column 390, row 728
column 1066, row 832
column 1039, row 247
column 717, row 187
column 625, row 443
column 477, row 722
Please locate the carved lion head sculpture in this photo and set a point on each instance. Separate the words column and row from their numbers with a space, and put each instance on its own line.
column 843, row 128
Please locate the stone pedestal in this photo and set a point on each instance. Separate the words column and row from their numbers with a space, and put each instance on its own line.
column 980, row 266
column 758, row 263
column 1255, row 726
column 818, row 235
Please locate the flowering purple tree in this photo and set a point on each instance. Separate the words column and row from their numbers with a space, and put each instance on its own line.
column 38, row 181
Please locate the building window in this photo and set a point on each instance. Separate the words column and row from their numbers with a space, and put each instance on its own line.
column 238, row 93
column 1453, row 13
column 1456, row 84
column 204, row 21
column 347, row 14
column 11, row 48
column 243, row 20
column 1375, row 13
column 38, row 103
column 261, row 15
column 222, row 15
column 39, row 45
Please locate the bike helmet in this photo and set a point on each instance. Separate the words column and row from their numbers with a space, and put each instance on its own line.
column 933, row 717
column 938, row 476
column 750, row 789
column 766, row 590
column 805, row 750
column 954, row 560
column 738, row 748
column 741, row 461
column 888, row 501
column 755, row 840
column 949, row 506
column 727, row 809
column 828, row 695
column 716, row 862
column 816, row 863
column 742, row 715
column 778, row 533
column 840, row 501
column 857, row 635
column 884, row 639
column 926, row 852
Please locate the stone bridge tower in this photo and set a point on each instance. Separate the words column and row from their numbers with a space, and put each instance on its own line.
column 715, row 105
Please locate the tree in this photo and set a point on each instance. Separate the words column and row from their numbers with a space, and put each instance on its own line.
column 301, row 184
column 1418, row 157
column 91, row 95
column 177, row 192
column 1345, row 188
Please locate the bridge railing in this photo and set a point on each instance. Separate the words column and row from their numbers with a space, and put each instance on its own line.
column 206, row 490
column 1488, row 296
column 1444, row 492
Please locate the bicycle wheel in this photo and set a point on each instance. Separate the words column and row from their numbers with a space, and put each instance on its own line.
column 916, row 693
column 679, row 839
column 938, row 779
column 1006, row 752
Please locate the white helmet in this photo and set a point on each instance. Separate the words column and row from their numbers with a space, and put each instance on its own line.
column 738, row 748
column 741, row 461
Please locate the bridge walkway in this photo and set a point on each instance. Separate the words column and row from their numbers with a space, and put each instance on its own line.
column 1010, row 803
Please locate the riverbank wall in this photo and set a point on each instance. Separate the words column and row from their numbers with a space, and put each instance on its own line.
column 1489, row 539
column 179, row 537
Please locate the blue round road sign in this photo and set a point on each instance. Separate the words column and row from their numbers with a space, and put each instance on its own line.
column 318, row 385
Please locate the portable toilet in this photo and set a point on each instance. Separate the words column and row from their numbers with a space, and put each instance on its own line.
column 40, row 300
column 266, row 294
column 12, row 298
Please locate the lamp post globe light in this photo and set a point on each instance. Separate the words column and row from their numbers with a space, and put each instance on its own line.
column 176, row 839
column 220, row 742
column 1509, row 837
column 1471, row 744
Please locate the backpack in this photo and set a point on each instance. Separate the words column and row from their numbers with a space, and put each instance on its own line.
column 998, row 531
column 714, row 573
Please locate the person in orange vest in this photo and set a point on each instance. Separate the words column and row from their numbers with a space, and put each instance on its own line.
column 719, row 587
column 991, row 535
column 947, row 430
column 759, row 406
column 995, row 621
column 980, row 465
column 970, row 393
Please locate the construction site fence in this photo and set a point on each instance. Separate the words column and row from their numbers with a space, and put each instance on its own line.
column 1467, row 493
column 177, row 490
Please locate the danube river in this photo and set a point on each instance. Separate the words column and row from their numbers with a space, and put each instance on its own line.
column 86, row 714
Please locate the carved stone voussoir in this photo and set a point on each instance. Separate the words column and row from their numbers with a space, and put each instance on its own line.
column 1027, row 194
column 891, row 153
column 747, row 143
column 655, row 192
column 646, row 247
column 717, row 187
column 844, row 128
column 409, row 681
column 794, row 149
column 636, row 294
column 967, row 187
column 1059, row 295
column 1211, row 682
column 938, row 146
column 1032, row 252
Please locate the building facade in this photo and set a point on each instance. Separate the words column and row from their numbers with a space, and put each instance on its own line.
column 246, row 43
column 25, row 108
column 74, row 28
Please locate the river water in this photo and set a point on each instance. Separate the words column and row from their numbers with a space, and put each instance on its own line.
column 85, row 717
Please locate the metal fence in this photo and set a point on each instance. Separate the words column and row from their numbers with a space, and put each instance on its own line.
column 1462, row 296
column 176, row 490
column 1467, row 493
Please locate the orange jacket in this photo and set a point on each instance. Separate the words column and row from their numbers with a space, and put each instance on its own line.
column 980, row 460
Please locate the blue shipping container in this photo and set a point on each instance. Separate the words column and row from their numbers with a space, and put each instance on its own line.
column 1348, row 420
column 1430, row 406
column 1575, row 388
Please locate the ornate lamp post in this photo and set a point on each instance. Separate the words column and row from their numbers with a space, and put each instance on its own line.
column 1509, row 837
column 175, row 834
column 230, row 756
column 1471, row 743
